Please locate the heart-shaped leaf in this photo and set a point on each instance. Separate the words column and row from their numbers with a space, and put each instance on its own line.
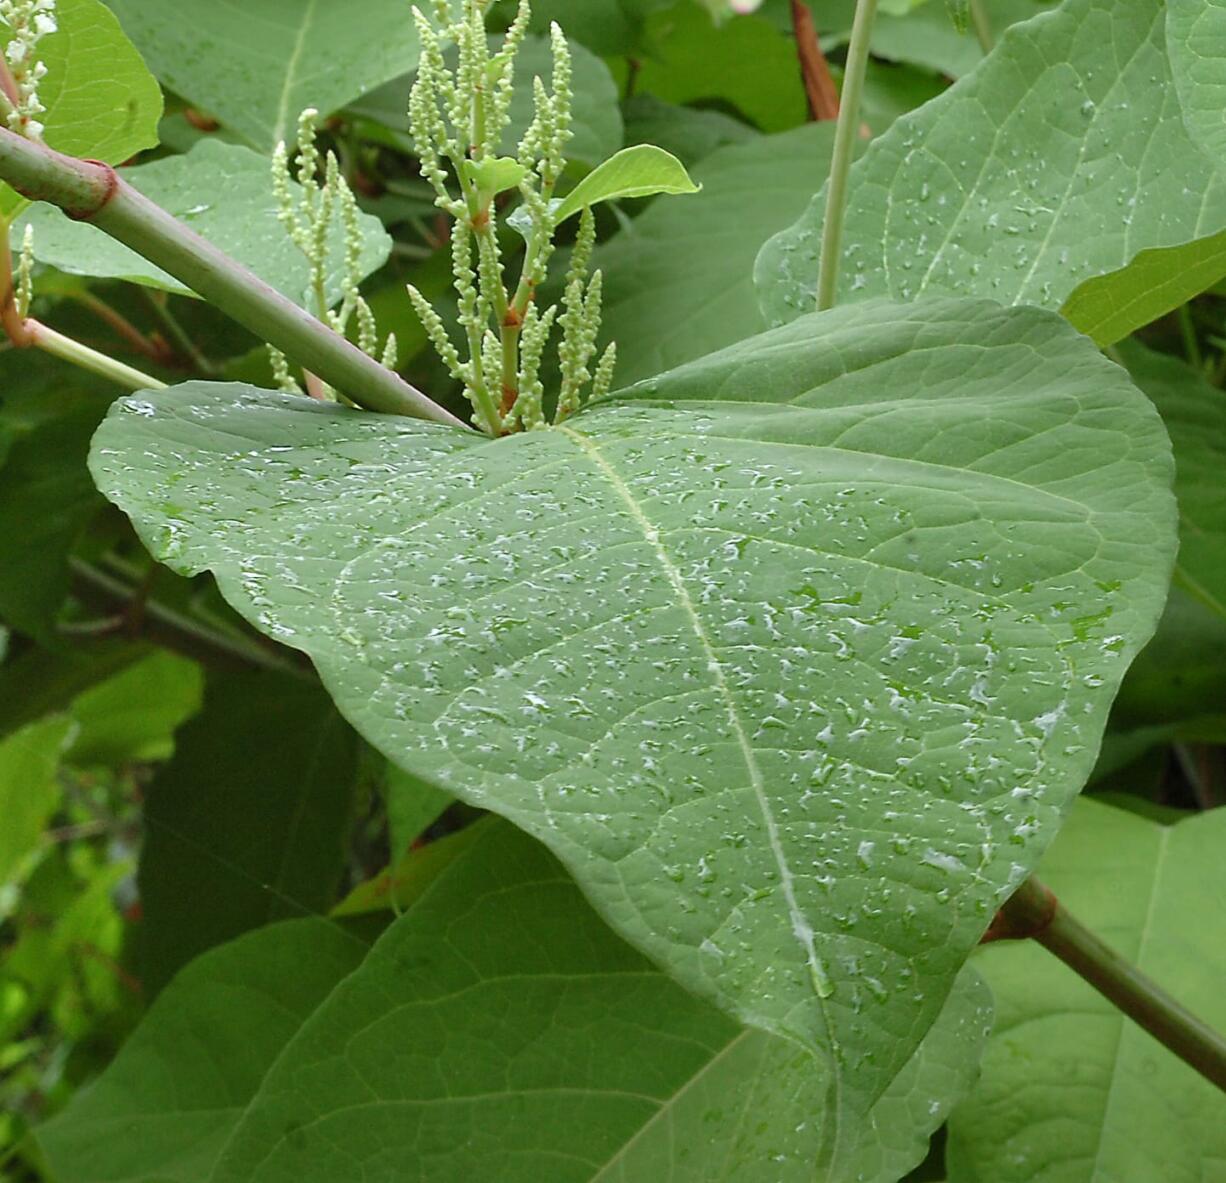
column 1057, row 161
column 794, row 655
column 578, row 1062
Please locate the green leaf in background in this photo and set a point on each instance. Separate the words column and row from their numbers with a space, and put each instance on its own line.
column 164, row 1108
column 744, row 62
column 1198, row 46
column 607, row 27
column 1195, row 416
column 46, row 500
column 689, row 133
column 576, row 1060
column 924, row 36
column 133, row 715
column 224, row 193
column 101, row 100
column 679, row 279
column 256, row 64
column 640, row 171
column 1059, row 160
column 29, row 795
column 412, row 804
column 1180, row 676
column 247, row 822
column 910, row 547
column 1071, row 1089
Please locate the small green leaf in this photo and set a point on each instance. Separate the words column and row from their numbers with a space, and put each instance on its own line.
column 1109, row 307
column 912, row 547
column 1071, row 1088
column 495, row 175
column 633, row 172
column 224, row 193
column 1197, row 31
column 101, row 100
column 256, row 65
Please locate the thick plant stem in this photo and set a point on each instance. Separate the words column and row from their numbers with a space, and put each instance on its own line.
column 65, row 348
column 95, row 193
column 1034, row 912
column 844, row 141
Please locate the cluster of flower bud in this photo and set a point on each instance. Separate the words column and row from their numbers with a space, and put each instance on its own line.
column 309, row 211
column 29, row 21
column 458, row 111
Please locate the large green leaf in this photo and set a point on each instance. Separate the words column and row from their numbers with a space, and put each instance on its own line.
column 1195, row 415
column 1059, row 160
column 1071, row 1089
column 223, row 192
column 101, row 100
column 679, row 278
column 255, row 64
column 793, row 655
column 499, row 1031
column 247, row 823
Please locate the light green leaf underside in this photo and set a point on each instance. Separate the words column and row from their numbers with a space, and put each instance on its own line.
column 793, row 655
column 1110, row 307
column 640, row 171
column 1198, row 49
column 101, row 100
column 1195, row 416
column 499, row 1031
column 1071, row 1089
column 1058, row 160
column 678, row 281
column 224, row 193
column 256, row 64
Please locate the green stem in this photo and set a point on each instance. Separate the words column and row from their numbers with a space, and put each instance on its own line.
column 1035, row 912
column 983, row 27
column 844, row 142
column 95, row 193
column 56, row 344
column 1187, row 330
column 179, row 337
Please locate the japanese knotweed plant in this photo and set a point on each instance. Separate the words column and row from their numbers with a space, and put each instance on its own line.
column 457, row 118
column 794, row 656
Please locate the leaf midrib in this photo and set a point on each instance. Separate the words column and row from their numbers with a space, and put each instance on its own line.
column 801, row 928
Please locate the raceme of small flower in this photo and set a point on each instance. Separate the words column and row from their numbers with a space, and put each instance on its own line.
column 308, row 214
column 28, row 22
column 457, row 117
